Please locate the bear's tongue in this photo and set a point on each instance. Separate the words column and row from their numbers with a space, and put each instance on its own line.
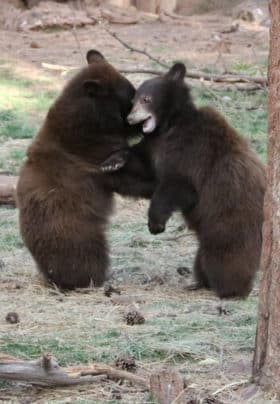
column 149, row 124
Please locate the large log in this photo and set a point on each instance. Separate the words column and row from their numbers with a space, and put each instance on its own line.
column 47, row 373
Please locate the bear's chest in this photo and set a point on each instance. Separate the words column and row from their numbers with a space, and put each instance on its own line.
column 160, row 154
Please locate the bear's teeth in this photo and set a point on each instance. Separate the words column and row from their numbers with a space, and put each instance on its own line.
column 149, row 124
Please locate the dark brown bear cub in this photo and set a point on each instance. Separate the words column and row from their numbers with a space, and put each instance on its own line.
column 207, row 171
column 63, row 203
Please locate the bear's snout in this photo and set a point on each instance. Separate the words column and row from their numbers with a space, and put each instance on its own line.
column 130, row 118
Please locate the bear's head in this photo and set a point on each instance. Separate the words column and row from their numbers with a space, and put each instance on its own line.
column 159, row 100
column 97, row 100
column 112, row 92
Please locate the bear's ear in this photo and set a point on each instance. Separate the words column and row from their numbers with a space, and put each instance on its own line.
column 94, row 88
column 176, row 72
column 94, row 56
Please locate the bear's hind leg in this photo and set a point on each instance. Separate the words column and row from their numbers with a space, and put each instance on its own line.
column 199, row 274
column 77, row 265
column 230, row 275
column 200, row 277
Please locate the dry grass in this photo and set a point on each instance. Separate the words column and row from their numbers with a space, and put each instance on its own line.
column 182, row 329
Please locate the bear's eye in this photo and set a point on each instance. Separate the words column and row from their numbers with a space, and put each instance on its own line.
column 147, row 99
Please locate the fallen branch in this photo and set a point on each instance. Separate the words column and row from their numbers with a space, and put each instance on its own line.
column 195, row 74
column 42, row 372
column 47, row 373
column 229, row 386
column 111, row 373
column 259, row 82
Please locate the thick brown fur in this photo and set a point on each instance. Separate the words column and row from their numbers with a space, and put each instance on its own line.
column 63, row 203
column 208, row 172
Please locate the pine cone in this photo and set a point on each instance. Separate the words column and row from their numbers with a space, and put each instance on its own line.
column 134, row 317
column 125, row 362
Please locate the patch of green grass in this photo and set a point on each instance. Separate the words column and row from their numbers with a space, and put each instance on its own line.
column 17, row 154
column 13, row 125
column 245, row 111
column 248, row 68
column 22, row 105
column 9, row 232
column 28, row 348
column 11, row 160
column 142, row 349
column 5, row 383
column 10, row 241
column 9, row 77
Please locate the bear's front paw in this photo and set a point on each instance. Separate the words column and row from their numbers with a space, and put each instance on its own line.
column 156, row 228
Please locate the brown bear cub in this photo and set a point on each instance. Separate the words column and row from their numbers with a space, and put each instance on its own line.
column 207, row 171
column 63, row 203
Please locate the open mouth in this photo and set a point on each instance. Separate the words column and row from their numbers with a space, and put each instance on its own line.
column 149, row 124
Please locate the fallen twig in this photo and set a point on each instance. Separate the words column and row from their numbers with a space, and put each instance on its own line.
column 47, row 373
column 56, row 67
column 228, row 386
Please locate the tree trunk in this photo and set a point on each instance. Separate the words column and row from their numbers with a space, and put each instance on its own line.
column 266, row 364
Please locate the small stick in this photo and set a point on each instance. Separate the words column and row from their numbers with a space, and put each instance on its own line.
column 227, row 386
column 180, row 395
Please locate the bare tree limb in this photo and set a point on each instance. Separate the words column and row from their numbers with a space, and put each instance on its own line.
column 224, row 78
column 137, row 50
column 47, row 373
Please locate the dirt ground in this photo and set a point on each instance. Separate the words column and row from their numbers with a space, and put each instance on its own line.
column 182, row 329
column 198, row 41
